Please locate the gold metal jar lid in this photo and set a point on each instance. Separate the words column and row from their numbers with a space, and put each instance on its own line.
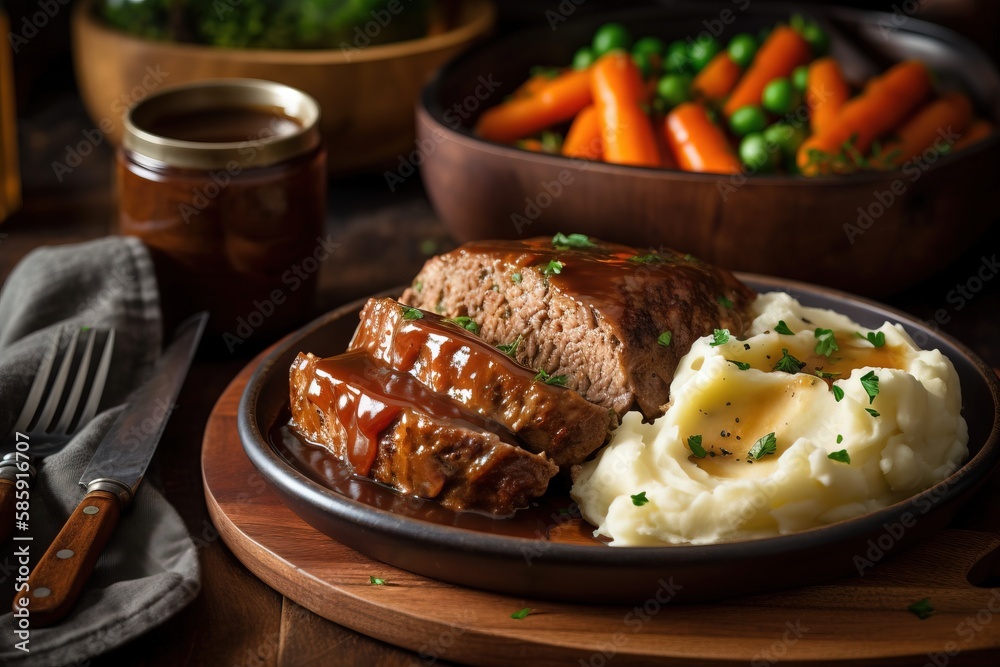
column 262, row 149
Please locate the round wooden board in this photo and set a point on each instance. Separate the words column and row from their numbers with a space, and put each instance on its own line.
column 863, row 618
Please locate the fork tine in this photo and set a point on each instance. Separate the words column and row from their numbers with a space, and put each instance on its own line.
column 100, row 378
column 38, row 386
column 58, row 385
column 69, row 408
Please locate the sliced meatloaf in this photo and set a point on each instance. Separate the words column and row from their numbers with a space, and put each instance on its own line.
column 614, row 320
column 391, row 428
column 449, row 358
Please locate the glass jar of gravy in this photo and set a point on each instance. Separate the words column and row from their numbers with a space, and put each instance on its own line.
column 225, row 181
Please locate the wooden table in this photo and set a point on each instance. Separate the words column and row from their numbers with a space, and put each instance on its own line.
column 385, row 237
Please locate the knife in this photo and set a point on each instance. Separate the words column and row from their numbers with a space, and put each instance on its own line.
column 111, row 481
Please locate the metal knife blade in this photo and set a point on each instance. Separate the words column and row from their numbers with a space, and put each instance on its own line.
column 121, row 459
column 111, row 480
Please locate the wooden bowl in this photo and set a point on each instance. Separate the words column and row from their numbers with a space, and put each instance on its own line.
column 367, row 95
column 869, row 233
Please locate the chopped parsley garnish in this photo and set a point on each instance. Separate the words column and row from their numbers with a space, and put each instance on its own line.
column 466, row 323
column 521, row 613
column 842, row 456
column 411, row 313
column 873, row 413
column 876, row 338
column 639, row 499
column 665, row 338
column 554, row 267
column 646, row 259
column 838, row 393
column 725, row 302
column 690, row 258
column 563, row 242
column 870, row 382
column 510, row 349
column 820, row 373
column 788, row 363
column 766, row 445
column 557, row 380
column 376, row 581
column 840, row 438
column 783, row 329
column 742, row 365
column 516, row 277
column 921, row 608
column 418, row 286
column 827, row 343
column 719, row 337
column 694, row 443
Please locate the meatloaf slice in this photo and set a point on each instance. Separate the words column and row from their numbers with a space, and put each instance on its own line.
column 450, row 359
column 598, row 313
column 395, row 430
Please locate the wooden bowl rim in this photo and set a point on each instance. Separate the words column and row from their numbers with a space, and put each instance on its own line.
column 476, row 18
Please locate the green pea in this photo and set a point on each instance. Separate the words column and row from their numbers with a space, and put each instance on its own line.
column 677, row 57
column 609, row 37
column 742, row 49
column 674, row 89
column 778, row 96
column 786, row 137
column 755, row 154
column 800, row 78
column 817, row 38
column 702, row 51
column 583, row 58
column 650, row 46
column 746, row 120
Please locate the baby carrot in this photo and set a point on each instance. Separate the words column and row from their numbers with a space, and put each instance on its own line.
column 783, row 51
column 946, row 116
column 584, row 137
column 717, row 78
column 884, row 103
column 978, row 130
column 558, row 101
column 697, row 143
column 532, row 85
column 826, row 92
column 625, row 127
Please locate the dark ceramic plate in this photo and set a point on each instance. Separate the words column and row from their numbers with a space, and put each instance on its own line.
column 509, row 556
column 485, row 190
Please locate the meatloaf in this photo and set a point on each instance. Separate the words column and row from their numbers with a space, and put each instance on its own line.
column 614, row 320
column 449, row 358
column 391, row 428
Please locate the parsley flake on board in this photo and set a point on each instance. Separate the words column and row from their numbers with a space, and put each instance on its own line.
column 766, row 445
column 639, row 499
column 665, row 338
column 921, row 608
column 694, row 443
column 376, row 581
column 870, row 382
column 842, row 456
column 783, row 329
column 838, row 393
column 554, row 267
column 411, row 313
column 826, row 343
column 725, row 302
column 788, row 363
column 510, row 349
column 521, row 613
column 742, row 365
column 564, row 242
column 465, row 322
column 719, row 337
column 873, row 413
column 557, row 380
column 516, row 277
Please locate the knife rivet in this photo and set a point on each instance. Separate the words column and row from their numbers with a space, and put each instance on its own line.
column 42, row 592
column 64, row 554
column 91, row 509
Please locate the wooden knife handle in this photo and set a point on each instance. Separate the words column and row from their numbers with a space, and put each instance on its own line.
column 56, row 582
column 6, row 508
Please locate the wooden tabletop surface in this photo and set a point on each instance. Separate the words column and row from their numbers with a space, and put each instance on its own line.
column 385, row 237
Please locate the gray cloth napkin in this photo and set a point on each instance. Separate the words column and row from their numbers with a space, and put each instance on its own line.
column 149, row 568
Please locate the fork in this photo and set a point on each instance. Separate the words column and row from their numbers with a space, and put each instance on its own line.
column 50, row 414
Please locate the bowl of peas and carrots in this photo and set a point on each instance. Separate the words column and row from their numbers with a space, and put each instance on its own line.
column 819, row 147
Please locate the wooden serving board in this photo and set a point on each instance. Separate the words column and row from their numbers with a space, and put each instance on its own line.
column 862, row 619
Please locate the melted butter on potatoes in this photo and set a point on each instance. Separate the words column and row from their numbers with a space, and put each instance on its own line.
column 907, row 437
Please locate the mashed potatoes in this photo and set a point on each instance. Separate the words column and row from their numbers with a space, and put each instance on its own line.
column 779, row 432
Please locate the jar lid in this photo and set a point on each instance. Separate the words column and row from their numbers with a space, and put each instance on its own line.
column 270, row 123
